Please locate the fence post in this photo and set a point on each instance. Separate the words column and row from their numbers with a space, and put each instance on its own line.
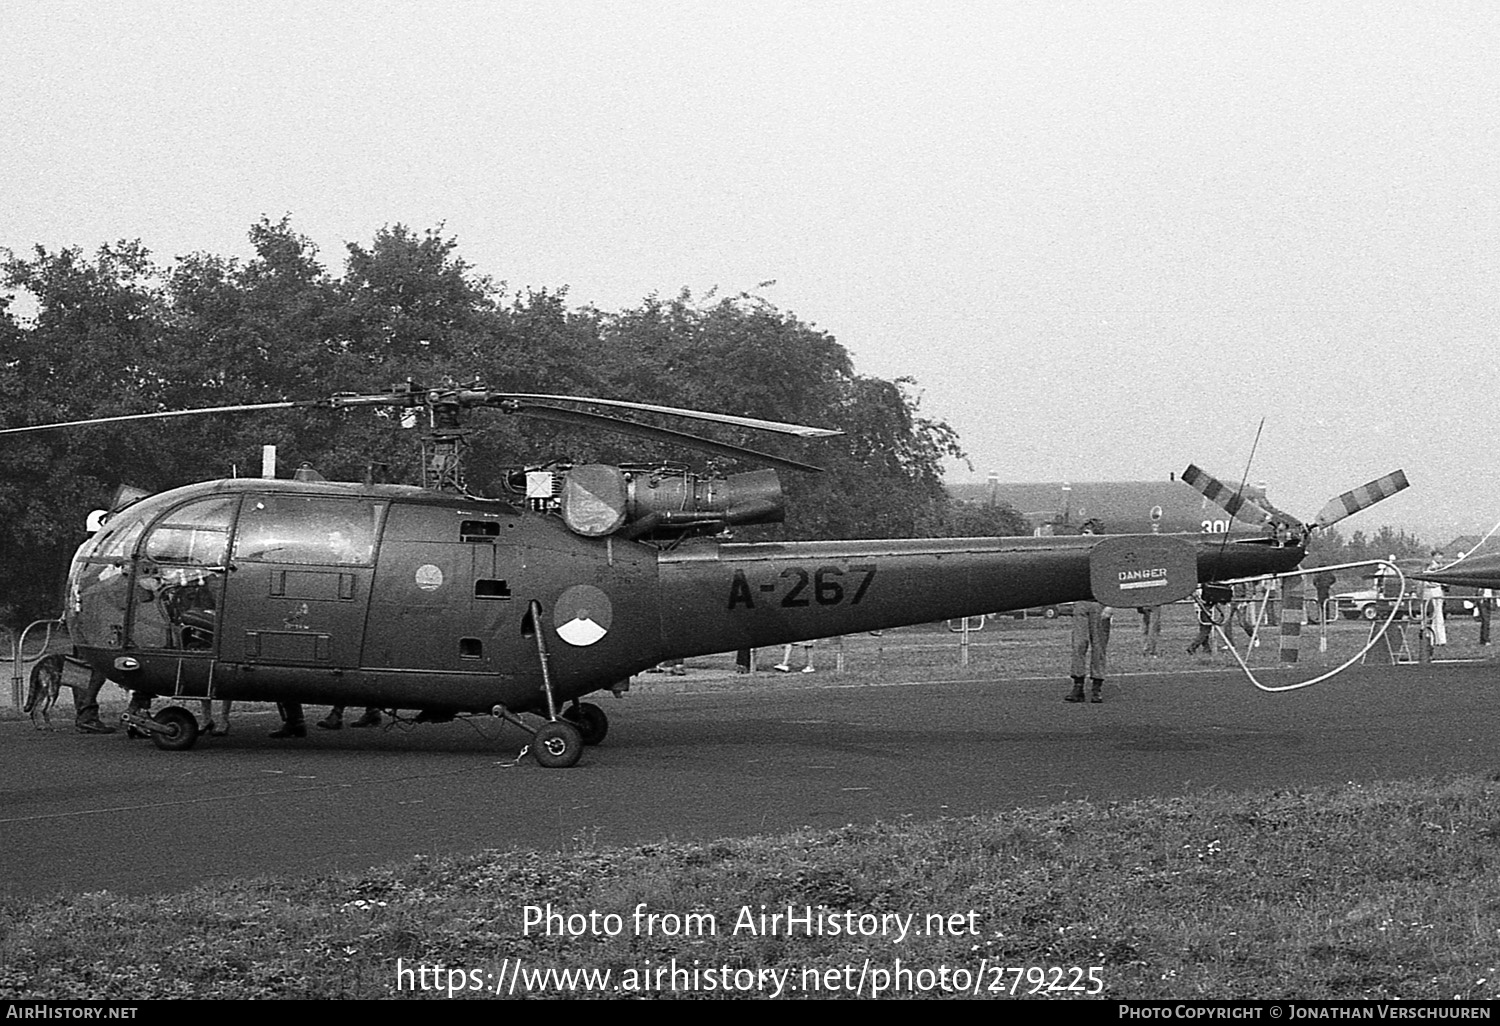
column 15, row 662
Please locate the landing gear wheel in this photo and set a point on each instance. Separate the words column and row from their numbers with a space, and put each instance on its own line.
column 557, row 745
column 1050, row 613
column 590, row 720
column 182, row 729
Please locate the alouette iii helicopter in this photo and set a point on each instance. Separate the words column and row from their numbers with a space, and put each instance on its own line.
column 431, row 598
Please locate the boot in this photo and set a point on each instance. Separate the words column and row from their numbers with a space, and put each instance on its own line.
column 334, row 720
column 371, row 718
column 1076, row 695
column 1098, row 693
column 293, row 725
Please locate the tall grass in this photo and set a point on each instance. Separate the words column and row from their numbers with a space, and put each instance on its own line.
column 1387, row 891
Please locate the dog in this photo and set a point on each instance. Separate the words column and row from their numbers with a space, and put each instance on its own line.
column 46, row 682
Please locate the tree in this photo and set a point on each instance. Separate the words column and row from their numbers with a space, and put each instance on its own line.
column 413, row 303
column 88, row 353
column 977, row 519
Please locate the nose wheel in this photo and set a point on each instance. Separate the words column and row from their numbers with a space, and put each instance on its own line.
column 173, row 729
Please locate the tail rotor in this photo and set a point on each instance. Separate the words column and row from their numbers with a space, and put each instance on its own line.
column 1262, row 513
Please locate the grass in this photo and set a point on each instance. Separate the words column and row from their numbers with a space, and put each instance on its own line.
column 1389, row 891
column 1040, row 648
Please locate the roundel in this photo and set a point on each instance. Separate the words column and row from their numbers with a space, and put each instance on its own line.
column 429, row 577
column 582, row 615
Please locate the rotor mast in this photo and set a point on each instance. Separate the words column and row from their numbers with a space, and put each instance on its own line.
column 445, row 444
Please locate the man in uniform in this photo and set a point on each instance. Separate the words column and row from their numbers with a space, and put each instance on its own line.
column 86, row 706
column 1090, row 640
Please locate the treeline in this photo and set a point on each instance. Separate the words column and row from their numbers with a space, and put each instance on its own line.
column 1330, row 548
column 114, row 332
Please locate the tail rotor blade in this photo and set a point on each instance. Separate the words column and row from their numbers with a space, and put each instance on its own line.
column 1231, row 501
column 1360, row 498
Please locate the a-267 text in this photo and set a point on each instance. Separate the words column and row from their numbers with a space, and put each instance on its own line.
column 798, row 586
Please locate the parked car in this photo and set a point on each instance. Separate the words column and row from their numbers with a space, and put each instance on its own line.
column 1368, row 604
column 1050, row 612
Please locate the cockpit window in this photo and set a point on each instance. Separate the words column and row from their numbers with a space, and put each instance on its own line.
column 316, row 530
column 196, row 534
column 115, row 540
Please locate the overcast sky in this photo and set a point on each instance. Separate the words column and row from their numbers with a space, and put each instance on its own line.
column 1107, row 239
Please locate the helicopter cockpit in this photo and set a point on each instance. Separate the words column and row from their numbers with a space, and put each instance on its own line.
column 152, row 578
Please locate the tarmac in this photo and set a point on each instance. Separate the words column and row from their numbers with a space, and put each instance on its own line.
column 85, row 813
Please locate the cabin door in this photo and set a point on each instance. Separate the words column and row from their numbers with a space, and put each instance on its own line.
column 300, row 581
column 443, row 591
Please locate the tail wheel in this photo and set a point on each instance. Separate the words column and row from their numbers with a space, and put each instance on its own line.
column 591, row 722
column 557, row 745
column 1369, row 612
column 181, row 731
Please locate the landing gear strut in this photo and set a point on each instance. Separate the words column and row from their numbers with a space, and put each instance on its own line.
column 558, row 743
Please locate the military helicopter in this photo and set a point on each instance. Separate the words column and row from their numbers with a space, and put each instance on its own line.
column 431, row 598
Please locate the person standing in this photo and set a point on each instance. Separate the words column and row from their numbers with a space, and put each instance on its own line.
column 1432, row 595
column 1090, row 649
column 86, row 705
column 785, row 666
column 335, row 718
column 1323, row 582
column 1150, row 629
column 1206, row 621
column 1090, row 641
column 292, row 722
column 216, row 727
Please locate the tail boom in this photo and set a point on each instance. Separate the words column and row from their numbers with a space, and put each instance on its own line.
column 721, row 597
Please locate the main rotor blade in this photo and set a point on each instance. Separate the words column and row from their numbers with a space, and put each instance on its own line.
column 608, row 423
column 1360, row 498
column 1231, row 501
column 152, row 416
column 800, row 430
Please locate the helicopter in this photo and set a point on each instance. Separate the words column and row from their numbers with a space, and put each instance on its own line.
column 429, row 597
